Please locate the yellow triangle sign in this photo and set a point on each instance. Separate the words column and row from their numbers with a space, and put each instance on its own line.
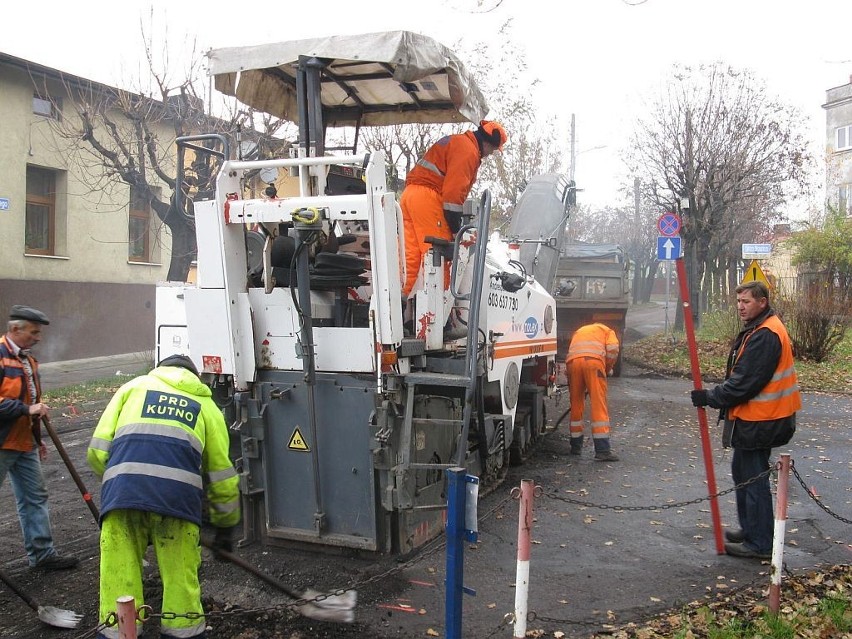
column 755, row 274
column 297, row 442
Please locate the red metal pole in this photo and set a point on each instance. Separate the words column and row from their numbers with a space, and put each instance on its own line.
column 704, row 430
column 780, row 531
column 522, row 576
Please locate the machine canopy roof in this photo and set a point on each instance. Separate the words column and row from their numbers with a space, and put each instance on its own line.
column 393, row 77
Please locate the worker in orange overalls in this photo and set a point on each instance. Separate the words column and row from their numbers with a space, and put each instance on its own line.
column 591, row 358
column 437, row 187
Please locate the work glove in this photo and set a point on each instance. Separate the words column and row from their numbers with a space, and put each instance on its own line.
column 224, row 539
column 699, row 398
column 454, row 220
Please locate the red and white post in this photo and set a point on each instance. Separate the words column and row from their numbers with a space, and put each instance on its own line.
column 126, row 612
column 522, row 576
column 780, row 532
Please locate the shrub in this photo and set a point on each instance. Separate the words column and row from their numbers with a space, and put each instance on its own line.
column 817, row 321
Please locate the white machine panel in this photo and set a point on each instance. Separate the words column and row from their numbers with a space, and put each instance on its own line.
column 172, row 336
column 211, row 343
column 276, row 335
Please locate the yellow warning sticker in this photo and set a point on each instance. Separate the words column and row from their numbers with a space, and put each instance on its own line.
column 297, row 442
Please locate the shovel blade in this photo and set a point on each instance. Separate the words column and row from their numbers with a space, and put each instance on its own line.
column 337, row 608
column 59, row 618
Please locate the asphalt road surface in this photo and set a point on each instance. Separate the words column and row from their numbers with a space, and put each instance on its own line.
column 613, row 542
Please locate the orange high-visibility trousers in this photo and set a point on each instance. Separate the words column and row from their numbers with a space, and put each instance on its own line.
column 422, row 216
column 588, row 374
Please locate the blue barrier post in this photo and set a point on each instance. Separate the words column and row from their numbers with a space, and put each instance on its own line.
column 462, row 492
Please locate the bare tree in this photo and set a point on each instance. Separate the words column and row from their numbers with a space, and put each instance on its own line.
column 716, row 140
column 633, row 228
column 124, row 137
column 534, row 145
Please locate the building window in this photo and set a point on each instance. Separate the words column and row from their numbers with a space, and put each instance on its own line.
column 844, row 192
column 844, row 138
column 48, row 107
column 139, row 227
column 40, row 231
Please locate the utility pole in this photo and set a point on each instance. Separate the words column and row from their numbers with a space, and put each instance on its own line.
column 573, row 163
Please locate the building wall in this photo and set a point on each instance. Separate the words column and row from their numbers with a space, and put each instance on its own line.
column 86, row 320
column 99, row 301
column 838, row 113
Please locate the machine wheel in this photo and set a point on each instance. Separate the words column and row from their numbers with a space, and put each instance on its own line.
column 518, row 449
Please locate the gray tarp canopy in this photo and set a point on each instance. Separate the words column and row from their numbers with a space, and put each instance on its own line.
column 393, row 77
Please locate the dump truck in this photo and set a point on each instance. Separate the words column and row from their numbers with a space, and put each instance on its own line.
column 591, row 284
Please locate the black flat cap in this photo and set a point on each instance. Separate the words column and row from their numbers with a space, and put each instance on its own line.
column 19, row 312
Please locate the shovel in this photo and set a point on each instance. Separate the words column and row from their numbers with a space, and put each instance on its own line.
column 87, row 497
column 56, row 617
column 336, row 608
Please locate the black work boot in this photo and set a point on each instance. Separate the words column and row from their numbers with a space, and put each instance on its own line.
column 576, row 445
column 603, row 452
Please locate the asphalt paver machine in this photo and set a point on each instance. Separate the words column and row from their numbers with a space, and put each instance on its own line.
column 347, row 402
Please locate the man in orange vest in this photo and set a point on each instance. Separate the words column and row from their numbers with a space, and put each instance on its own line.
column 437, row 187
column 758, row 401
column 21, row 448
column 591, row 357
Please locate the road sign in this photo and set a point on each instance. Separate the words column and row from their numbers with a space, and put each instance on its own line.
column 756, row 251
column 669, row 224
column 668, row 248
column 4, row 204
column 755, row 274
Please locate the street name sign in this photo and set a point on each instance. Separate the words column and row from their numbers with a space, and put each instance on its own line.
column 756, row 251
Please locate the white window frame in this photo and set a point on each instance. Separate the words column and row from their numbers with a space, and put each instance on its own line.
column 846, row 133
column 47, row 107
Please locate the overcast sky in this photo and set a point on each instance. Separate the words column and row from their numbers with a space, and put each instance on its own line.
column 593, row 57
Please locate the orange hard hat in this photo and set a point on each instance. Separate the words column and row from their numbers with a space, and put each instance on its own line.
column 494, row 133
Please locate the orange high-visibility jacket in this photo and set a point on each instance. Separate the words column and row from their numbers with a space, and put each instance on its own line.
column 594, row 340
column 780, row 397
column 16, row 428
column 449, row 167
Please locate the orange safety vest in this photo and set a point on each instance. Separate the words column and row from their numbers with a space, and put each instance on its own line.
column 780, row 397
column 13, row 385
column 594, row 340
column 449, row 167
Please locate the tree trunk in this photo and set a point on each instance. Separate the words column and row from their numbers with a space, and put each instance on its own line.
column 184, row 246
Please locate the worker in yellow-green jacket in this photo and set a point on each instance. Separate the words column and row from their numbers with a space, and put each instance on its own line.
column 159, row 446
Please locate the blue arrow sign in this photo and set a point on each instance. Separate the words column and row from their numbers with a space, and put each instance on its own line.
column 668, row 248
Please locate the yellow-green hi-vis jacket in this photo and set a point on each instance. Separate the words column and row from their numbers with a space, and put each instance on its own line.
column 160, row 443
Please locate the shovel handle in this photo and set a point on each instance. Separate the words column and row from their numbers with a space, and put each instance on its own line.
column 87, row 497
column 17, row 590
column 237, row 561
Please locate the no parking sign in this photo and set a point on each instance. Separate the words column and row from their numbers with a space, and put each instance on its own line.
column 669, row 224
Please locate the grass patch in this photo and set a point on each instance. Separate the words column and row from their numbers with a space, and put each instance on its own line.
column 91, row 391
column 670, row 355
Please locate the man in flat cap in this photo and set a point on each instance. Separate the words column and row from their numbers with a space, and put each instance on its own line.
column 21, row 447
